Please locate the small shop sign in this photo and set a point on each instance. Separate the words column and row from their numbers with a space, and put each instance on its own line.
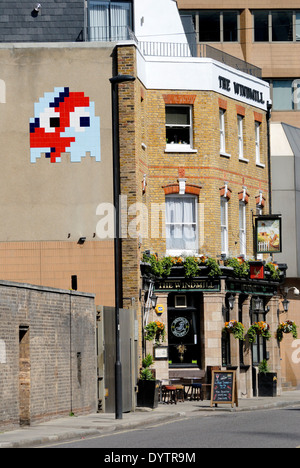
column 257, row 270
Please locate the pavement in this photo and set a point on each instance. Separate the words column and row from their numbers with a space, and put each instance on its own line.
column 79, row 427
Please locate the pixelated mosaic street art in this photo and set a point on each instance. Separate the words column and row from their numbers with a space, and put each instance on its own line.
column 64, row 122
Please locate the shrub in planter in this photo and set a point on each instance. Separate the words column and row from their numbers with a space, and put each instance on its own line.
column 148, row 386
column 267, row 381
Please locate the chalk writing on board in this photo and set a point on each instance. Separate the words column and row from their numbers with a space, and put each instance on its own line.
column 224, row 387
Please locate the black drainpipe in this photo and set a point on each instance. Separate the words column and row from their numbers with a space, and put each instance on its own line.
column 269, row 113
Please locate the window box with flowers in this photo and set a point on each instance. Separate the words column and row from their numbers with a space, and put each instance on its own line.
column 286, row 327
column 236, row 329
column 155, row 331
column 261, row 329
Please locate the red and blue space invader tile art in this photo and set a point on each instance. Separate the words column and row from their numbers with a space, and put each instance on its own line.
column 64, row 122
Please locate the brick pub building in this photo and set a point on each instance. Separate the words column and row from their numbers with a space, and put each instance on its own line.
column 194, row 174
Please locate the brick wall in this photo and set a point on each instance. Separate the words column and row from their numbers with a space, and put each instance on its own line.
column 144, row 158
column 47, row 353
column 205, row 168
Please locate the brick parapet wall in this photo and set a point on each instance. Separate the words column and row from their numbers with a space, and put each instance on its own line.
column 60, row 354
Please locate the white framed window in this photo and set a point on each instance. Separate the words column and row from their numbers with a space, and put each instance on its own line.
column 243, row 228
column 240, row 123
column 181, row 224
column 109, row 20
column 257, row 145
column 222, row 131
column 224, row 226
column 179, row 128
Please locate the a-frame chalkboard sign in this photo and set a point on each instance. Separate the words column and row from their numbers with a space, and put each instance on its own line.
column 224, row 388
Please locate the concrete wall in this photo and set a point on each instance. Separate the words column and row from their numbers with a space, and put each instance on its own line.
column 47, row 199
column 47, row 353
column 48, row 203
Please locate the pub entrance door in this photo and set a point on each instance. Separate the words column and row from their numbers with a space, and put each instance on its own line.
column 184, row 329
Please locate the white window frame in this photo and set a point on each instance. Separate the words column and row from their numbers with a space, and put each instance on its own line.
column 240, row 123
column 222, row 113
column 181, row 148
column 224, row 226
column 243, row 228
column 181, row 251
column 257, row 145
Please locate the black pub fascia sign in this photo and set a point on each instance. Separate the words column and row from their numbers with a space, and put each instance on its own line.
column 187, row 285
column 241, row 90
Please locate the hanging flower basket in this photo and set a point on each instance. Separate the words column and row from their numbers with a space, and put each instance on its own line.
column 259, row 329
column 155, row 331
column 236, row 329
column 287, row 327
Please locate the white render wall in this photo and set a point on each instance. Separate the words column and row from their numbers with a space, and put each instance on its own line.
column 198, row 74
column 158, row 21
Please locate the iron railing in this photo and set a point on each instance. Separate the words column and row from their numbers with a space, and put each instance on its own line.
column 171, row 49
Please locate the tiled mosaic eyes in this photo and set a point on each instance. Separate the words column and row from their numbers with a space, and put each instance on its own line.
column 63, row 122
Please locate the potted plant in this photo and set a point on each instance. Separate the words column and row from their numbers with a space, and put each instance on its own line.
column 267, row 381
column 235, row 328
column 148, row 386
column 287, row 327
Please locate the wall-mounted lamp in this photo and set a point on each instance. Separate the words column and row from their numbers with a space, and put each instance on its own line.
column 82, row 240
column 36, row 10
column 258, row 304
column 286, row 305
column 231, row 301
column 154, row 299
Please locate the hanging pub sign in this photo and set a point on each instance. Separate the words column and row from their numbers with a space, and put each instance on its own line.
column 268, row 234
